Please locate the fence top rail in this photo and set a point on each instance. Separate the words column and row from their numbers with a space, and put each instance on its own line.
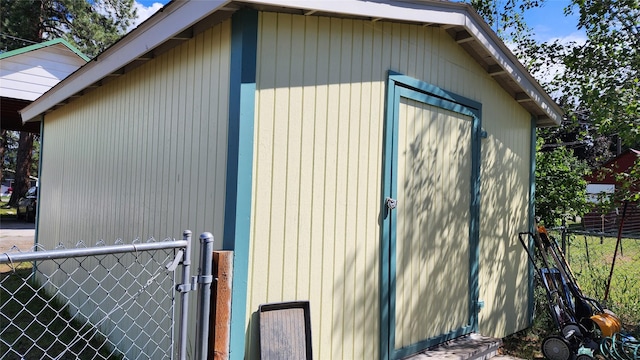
column 604, row 234
column 7, row 258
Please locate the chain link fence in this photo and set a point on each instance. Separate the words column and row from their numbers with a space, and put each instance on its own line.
column 606, row 221
column 101, row 302
column 603, row 250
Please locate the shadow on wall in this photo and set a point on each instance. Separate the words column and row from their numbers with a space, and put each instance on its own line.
column 252, row 345
column 503, row 262
column 432, row 262
column 432, row 274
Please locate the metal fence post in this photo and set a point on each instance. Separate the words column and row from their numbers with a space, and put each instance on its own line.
column 184, row 295
column 205, row 278
column 564, row 234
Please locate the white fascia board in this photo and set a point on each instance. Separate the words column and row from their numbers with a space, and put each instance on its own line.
column 433, row 12
column 139, row 41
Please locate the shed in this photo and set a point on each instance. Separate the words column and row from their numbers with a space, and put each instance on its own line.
column 373, row 157
column 29, row 72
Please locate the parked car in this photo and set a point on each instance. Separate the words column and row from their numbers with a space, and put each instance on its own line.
column 27, row 205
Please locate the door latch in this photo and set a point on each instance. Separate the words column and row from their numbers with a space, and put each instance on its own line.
column 391, row 203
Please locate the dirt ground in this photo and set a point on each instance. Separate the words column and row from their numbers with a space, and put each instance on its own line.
column 20, row 234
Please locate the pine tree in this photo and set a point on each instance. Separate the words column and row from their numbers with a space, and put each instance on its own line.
column 91, row 26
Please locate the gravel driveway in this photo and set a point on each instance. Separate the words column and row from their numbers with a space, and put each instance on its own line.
column 17, row 233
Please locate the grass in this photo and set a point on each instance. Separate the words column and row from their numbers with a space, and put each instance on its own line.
column 5, row 210
column 590, row 259
column 38, row 326
column 6, row 268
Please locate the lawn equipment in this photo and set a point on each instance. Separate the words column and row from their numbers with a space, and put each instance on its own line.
column 581, row 321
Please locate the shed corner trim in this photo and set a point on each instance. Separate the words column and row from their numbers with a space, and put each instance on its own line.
column 239, row 179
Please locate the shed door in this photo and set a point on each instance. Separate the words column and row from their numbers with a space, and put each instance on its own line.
column 431, row 297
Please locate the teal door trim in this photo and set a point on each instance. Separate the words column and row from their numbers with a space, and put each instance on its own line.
column 399, row 85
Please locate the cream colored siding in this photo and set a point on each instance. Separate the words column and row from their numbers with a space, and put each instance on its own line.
column 317, row 180
column 141, row 156
column 318, row 160
column 504, row 213
column 144, row 155
column 432, row 261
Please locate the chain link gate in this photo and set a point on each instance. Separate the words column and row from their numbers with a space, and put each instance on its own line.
column 103, row 302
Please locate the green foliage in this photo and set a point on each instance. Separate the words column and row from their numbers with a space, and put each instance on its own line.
column 6, row 211
column 602, row 75
column 506, row 18
column 560, row 185
column 19, row 20
column 629, row 183
column 92, row 26
column 597, row 83
column 10, row 143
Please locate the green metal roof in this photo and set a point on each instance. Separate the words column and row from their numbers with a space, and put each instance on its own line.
column 43, row 45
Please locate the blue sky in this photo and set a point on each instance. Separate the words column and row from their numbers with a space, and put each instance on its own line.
column 548, row 22
column 147, row 8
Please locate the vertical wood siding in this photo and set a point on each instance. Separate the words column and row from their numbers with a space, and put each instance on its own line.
column 317, row 178
column 144, row 155
column 504, row 213
column 432, row 261
column 317, row 171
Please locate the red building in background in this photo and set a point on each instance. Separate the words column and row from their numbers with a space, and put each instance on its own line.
column 602, row 184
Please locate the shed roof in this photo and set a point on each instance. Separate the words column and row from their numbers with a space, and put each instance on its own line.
column 179, row 21
column 42, row 45
column 28, row 72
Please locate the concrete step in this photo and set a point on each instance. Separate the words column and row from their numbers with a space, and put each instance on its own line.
column 469, row 347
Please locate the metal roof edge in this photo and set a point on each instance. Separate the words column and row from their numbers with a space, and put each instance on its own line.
column 42, row 45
